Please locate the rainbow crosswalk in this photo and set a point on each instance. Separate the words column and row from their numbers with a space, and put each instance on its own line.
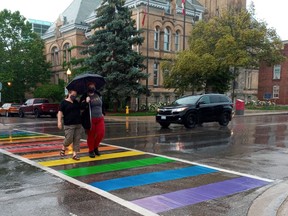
column 153, row 182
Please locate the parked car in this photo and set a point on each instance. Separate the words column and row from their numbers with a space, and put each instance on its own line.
column 196, row 109
column 9, row 109
column 38, row 107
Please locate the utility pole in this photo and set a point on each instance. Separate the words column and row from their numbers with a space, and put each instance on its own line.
column 184, row 27
column 147, row 57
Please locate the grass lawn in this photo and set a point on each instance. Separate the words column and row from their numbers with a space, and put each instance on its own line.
column 277, row 107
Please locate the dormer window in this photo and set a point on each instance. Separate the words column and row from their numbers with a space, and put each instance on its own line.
column 168, row 7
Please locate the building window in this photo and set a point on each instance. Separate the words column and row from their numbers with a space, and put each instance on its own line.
column 156, row 74
column 168, row 7
column 167, row 35
column 177, row 39
column 66, row 52
column 156, row 38
column 276, row 71
column 55, row 56
column 276, row 89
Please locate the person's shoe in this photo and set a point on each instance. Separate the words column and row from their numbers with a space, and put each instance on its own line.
column 91, row 154
column 75, row 157
column 62, row 153
column 96, row 151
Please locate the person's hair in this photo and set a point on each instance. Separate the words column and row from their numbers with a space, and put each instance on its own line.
column 91, row 83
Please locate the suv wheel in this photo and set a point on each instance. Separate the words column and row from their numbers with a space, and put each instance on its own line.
column 36, row 113
column 224, row 119
column 190, row 120
column 21, row 114
column 164, row 124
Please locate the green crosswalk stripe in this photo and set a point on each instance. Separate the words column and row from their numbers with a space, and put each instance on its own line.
column 83, row 171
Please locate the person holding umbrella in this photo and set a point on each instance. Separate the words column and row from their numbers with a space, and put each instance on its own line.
column 70, row 110
column 93, row 118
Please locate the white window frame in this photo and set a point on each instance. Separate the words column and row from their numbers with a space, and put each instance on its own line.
column 167, row 36
column 276, row 90
column 156, row 74
column 277, row 72
column 156, row 38
column 55, row 56
column 66, row 52
column 177, row 41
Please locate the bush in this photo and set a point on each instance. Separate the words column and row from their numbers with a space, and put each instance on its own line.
column 152, row 107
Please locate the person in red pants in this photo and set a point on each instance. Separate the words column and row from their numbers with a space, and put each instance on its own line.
column 93, row 119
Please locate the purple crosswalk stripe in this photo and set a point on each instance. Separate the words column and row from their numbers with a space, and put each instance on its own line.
column 182, row 198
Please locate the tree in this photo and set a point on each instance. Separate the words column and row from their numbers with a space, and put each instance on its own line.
column 22, row 62
column 233, row 40
column 54, row 92
column 111, row 54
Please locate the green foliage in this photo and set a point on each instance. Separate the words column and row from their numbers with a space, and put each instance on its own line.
column 110, row 51
column 234, row 39
column 22, row 61
column 53, row 92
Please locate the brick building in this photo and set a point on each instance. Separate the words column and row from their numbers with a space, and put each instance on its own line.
column 216, row 7
column 166, row 31
column 166, row 35
column 273, row 81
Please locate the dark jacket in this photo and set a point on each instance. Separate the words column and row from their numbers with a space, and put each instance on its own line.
column 86, row 111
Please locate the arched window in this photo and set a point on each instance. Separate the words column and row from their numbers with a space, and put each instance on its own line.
column 156, row 74
column 167, row 35
column 177, row 40
column 156, row 38
column 66, row 52
column 55, row 56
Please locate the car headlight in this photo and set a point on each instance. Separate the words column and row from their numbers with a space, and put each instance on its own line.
column 179, row 109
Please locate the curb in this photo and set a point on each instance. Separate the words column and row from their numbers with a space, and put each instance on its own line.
column 272, row 202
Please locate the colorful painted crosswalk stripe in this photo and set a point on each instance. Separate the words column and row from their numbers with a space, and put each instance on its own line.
column 45, row 147
column 84, row 171
column 88, row 159
column 181, row 198
column 150, row 178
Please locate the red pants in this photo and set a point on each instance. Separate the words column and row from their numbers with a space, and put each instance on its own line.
column 96, row 133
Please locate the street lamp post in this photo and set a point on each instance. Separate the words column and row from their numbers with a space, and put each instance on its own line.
column 68, row 72
column 11, row 89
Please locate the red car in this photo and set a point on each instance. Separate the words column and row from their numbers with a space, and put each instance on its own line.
column 9, row 109
column 38, row 107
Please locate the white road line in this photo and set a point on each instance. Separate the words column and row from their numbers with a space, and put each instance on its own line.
column 127, row 204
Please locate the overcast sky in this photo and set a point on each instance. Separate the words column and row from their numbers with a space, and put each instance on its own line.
column 273, row 12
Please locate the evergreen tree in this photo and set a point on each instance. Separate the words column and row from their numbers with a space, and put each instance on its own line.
column 111, row 54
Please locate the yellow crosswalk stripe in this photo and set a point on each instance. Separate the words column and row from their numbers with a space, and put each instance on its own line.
column 88, row 159
column 56, row 153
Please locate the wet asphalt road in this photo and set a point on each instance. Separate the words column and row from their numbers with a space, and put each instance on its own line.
column 255, row 145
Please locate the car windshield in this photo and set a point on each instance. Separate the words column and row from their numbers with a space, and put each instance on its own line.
column 187, row 100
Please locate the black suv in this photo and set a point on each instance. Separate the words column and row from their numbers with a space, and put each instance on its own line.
column 196, row 109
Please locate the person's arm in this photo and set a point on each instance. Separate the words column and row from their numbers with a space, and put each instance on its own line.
column 59, row 118
column 84, row 102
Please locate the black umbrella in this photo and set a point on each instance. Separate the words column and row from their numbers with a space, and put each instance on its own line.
column 80, row 82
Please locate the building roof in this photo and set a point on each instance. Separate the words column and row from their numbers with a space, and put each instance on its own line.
column 80, row 13
column 74, row 16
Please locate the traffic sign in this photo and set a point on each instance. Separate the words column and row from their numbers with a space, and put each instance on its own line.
column 0, row 86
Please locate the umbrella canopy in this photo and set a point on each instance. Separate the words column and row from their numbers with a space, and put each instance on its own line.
column 80, row 82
